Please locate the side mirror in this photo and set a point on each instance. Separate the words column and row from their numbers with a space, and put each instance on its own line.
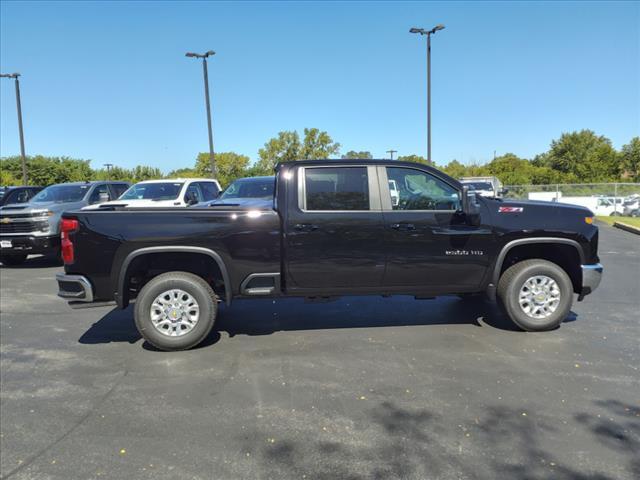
column 504, row 191
column 104, row 197
column 470, row 206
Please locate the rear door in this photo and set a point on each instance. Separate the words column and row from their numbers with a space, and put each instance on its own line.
column 334, row 234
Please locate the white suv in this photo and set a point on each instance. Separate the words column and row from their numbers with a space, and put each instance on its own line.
column 178, row 192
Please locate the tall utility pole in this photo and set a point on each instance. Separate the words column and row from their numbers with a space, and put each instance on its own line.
column 204, row 56
column 108, row 165
column 391, row 152
column 428, row 33
column 19, row 105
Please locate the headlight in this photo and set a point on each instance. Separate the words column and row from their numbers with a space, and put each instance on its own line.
column 44, row 213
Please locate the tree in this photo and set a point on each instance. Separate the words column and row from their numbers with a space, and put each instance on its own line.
column 318, row 145
column 415, row 159
column 630, row 159
column 286, row 147
column 455, row 169
column 584, row 156
column 229, row 165
column 351, row 154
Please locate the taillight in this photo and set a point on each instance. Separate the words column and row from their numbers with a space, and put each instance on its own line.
column 67, row 227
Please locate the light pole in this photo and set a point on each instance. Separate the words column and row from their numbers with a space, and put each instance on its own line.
column 428, row 33
column 391, row 152
column 108, row 165
column 24, row 158
column 204, row 56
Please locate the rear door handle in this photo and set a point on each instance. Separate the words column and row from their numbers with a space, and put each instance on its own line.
column 305, row 227
column 403, row 226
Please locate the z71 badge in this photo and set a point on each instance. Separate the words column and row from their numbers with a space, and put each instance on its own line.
column 510, row 209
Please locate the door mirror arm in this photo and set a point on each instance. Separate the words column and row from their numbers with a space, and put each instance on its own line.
column 470, row 205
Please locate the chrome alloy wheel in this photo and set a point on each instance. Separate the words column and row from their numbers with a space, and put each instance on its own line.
column 539, row 296
column 174, row 313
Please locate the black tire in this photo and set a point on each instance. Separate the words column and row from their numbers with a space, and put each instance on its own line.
column 195, row 286
column 512, row 281
column 13, row 260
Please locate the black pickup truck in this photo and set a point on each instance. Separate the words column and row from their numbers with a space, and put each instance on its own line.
column 336, row 227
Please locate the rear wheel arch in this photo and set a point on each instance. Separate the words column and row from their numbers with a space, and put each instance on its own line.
column 206, row 254
column 564, row 252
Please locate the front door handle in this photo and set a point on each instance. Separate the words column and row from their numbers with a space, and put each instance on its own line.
column 305, row 227
column 403, row 226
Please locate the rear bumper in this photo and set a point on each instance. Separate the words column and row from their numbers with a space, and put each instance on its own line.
column 591, row 277
column 74, row 288
column 30, row 244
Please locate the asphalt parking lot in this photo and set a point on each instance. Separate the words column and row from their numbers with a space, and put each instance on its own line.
column 360, row 388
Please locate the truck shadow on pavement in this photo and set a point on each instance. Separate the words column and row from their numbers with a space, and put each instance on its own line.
column 268, row 316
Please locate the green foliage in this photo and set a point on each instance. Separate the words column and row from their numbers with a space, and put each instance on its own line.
column 229, row 166
column 583, row 156
column 351, row 154
column 414, row 158
column 318, row 145
column 287, row 147
column 630, row 159
column 455, row 169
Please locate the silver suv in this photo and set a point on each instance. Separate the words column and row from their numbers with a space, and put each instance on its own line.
column 34, row 227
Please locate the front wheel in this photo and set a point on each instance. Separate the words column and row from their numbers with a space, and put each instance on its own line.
column 536, row 294
column 175, row 311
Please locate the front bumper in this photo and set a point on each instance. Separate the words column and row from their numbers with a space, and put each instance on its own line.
column 74, row 288
column 30, row 244
column 591, row 277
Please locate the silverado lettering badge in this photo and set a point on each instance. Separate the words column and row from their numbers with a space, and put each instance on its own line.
column 510, row 209
column 5, row 220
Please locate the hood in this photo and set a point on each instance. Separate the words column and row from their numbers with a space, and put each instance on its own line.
column 536, row 214
column 241, row 202
column 56, row 207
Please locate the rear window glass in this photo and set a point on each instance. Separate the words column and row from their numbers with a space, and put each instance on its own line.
column 341, row 188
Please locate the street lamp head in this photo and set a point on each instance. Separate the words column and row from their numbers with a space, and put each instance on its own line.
column 210, row 52
column 416, row 30
column 189, row 54
column 438, row 27
column 200, row 55
column 9, row 75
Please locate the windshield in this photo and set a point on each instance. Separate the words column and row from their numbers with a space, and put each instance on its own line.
column 153, row 191
column 479, row 185
column 62, row 194
column 250, row 189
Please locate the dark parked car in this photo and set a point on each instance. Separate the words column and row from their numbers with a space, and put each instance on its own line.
column 334, row 229
column 246, row 192
column 18, row 195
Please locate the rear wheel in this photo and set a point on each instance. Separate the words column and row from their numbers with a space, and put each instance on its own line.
column 11, row 260
column 536, row 294
column 175, row 311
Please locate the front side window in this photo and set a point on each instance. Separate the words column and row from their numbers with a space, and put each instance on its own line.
column 412, row 189
column 209, row 190
column 100, row 194
column 340, row 188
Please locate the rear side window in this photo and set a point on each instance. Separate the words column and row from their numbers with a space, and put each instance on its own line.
column 97, row 192
column 340, row 188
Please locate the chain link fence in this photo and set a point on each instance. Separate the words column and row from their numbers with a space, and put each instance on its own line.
column 601, row 198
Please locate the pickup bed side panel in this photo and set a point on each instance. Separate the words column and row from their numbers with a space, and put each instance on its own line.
column 247, row 241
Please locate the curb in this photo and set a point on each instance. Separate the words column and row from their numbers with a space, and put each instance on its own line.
column 626, row 227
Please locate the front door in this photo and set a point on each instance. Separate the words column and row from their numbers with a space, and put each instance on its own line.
column 429, row 242
column 334, row 233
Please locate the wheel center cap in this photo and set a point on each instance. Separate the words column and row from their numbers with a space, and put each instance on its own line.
column 174, row 314
column 540, row 297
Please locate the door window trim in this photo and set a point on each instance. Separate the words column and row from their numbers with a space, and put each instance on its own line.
column 385, row 193
column 372, row 179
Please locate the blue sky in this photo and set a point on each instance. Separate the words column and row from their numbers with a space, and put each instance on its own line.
column 109, row 81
